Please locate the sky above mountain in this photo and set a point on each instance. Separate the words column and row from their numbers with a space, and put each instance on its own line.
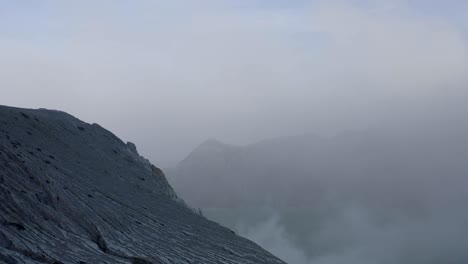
column 169, row 74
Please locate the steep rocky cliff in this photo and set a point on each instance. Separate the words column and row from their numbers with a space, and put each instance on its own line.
column 72, row 192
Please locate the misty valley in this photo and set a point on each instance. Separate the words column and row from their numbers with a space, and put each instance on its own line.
column 357, row 197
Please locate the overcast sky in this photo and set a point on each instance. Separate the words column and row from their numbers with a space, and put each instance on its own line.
column 169, row 74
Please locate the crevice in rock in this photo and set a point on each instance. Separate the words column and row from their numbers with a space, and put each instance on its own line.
column 24, row 115
column 18, row 226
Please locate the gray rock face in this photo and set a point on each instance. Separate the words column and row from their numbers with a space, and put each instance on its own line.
column 72, row 192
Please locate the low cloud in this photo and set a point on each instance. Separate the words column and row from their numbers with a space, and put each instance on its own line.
column 271, row 235
column 354, row 236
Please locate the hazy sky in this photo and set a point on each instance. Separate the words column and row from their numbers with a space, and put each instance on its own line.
column 169, row 74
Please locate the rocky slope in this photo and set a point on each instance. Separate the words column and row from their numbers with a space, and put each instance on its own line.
column 72, row 192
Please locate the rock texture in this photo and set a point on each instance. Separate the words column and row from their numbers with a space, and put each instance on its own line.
column 72, row 192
